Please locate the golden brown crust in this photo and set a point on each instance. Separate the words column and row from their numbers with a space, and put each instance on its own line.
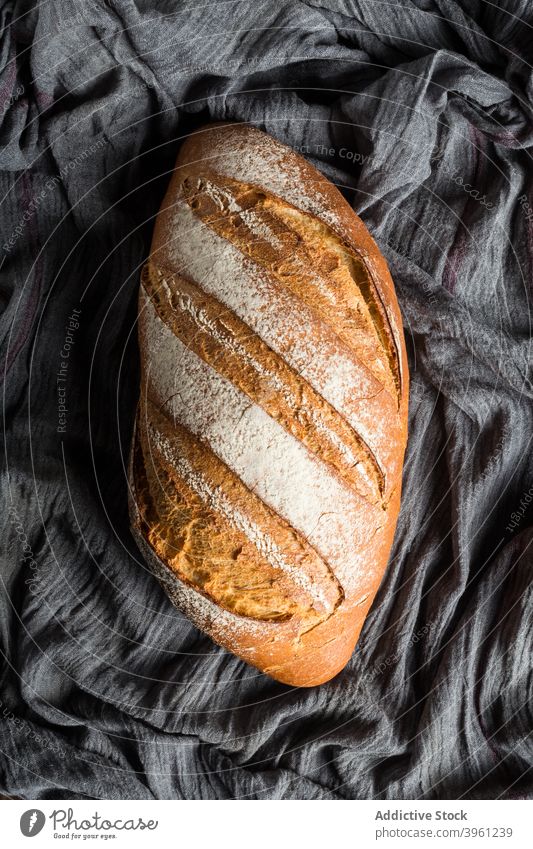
column 247, row 563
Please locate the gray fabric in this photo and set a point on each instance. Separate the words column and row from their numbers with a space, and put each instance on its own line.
column 422, row 113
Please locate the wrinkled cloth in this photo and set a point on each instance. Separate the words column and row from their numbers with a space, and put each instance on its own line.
column 422, row 113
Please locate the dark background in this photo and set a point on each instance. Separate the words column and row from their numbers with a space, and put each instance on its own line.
column 421, row 112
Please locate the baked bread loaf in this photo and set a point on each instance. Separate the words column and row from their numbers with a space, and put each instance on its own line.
column 266, row 462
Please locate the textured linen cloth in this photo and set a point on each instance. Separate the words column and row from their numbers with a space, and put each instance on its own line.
column 422, row 113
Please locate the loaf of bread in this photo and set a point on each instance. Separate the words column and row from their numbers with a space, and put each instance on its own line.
column 266, row 462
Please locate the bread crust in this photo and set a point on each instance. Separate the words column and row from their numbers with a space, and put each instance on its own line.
column 271, row 346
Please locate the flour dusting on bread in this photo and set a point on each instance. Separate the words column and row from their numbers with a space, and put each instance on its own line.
column 266, row 468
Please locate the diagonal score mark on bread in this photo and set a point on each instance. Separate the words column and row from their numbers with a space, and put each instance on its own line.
column 228, row 344
column 309, row 258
